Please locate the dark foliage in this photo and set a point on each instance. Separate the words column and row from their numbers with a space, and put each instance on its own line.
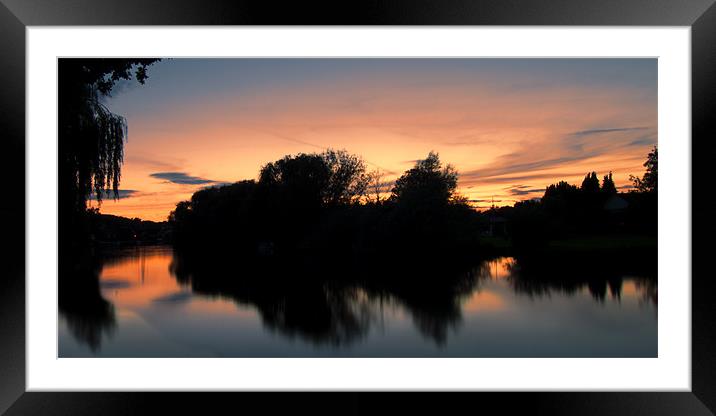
column 648, row 182
column 311, row 207
column 567, row 211
column 428, row 183
column 111, row 229
column 608, row 187
column 91, row 138
column 315, row 205
column 590, row 184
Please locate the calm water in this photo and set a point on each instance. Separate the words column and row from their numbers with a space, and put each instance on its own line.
column 155, row 309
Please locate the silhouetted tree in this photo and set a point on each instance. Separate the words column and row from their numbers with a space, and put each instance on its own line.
column 311, row 203
column 180, row 213
column 375, row 183
column 333, row 177
column 307, row 200
column 347, row 181
column 590, row 184
column 91, row 138
column 561, row 205
column 590, row 208
column 426, row 214
column 561, row 192
column 428, row 182
column 648, row 182
column 180, row 220
column 608, row 187
column 301, row 181
column 528, row 227
column 568, row 209
column 643, row 208
column 315, row 208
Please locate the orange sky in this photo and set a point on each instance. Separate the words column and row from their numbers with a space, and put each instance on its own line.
column 509, row 126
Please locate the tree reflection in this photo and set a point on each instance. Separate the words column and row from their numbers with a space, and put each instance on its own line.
column 332, row 305
column 537, row 277
column 88, row 315
column 649, row 290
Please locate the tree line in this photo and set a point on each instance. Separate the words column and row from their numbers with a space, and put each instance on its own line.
column 321, row 204
column 566, row 210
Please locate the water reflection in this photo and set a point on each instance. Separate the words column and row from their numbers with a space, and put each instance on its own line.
column 330, row 305
column 88, row 315
column 150, row 301
column 601, row 278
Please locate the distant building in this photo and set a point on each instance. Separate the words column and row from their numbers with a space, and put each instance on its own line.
column 616, row 207
column 616, row 204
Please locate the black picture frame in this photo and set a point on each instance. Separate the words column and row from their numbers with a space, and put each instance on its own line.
column 15, row 15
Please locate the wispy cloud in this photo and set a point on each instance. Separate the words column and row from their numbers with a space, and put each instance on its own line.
column 523, row 190
column 410, row 162
column 217, row 185
column 484, row 200
column 556, row 153
column 606, row 130
column 121, row 194
column 470, row 139
column 467, row 179
column 151, row 162
column 516, row 163
column 181, row 178
column 642, row 141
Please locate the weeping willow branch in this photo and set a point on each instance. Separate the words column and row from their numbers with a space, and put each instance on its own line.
column 98, row 141
column 91, row 137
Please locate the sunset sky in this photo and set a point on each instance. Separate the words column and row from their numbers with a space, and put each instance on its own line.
column 509, row 126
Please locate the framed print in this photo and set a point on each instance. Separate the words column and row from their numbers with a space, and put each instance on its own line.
column 453, row 197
